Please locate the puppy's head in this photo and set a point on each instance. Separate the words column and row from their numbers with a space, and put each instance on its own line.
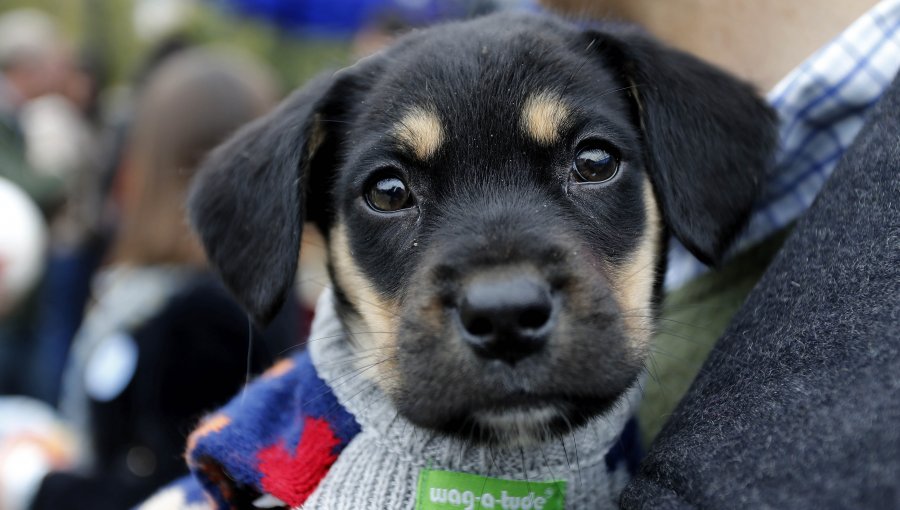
column 496, row 195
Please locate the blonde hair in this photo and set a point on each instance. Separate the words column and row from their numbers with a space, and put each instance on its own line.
column 189, row 105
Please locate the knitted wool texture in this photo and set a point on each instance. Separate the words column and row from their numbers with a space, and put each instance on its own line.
column 380, row 467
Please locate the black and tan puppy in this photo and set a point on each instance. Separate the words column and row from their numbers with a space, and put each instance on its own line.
column 497, row 197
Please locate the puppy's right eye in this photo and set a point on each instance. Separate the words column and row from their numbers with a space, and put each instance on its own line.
column 388, row 193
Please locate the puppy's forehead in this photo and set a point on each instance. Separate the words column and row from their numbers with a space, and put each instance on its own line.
column 541, row 117
column 473, row 89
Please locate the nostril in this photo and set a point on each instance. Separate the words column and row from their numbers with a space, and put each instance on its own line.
column 534, row 317
column 479, row 326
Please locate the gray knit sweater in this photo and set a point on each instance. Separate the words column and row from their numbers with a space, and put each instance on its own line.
column 381, row 467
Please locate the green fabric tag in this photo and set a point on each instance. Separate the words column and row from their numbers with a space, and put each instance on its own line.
column 447, row 490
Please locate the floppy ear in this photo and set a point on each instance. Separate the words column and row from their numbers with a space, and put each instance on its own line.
column 709, row 138
column 247, row 201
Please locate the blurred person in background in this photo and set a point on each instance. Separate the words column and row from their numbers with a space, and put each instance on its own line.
column 62, row 140
column 162, row 342
column 51, row 104
column 31, row 65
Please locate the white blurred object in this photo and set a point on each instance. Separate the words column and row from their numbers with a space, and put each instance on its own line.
column 60, row 143
column 26, row 34
column 111, row 367
column 21, row 470
column 23, row 242
column 33, row 442
column 57, row 138
column 155, row 19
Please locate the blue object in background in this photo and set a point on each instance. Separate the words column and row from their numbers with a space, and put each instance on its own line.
column 343, row 18
column 63, row 299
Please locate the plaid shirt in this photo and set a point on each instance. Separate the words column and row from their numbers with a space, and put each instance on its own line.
column 821, row 106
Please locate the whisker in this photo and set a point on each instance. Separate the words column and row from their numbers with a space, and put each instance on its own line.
column 343, row 379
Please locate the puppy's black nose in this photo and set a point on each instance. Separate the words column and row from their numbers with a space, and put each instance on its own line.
column 506, row 317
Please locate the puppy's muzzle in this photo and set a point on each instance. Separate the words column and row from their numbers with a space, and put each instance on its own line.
column 507, row 316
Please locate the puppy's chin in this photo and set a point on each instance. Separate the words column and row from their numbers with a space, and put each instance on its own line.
column 526, row 422
column 518, row 426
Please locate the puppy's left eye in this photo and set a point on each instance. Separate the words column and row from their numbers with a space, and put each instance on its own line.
column 595, row 165
column 388, row 193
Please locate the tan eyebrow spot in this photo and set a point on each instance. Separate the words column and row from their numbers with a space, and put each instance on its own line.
column 543, row 116
column 420, row 129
